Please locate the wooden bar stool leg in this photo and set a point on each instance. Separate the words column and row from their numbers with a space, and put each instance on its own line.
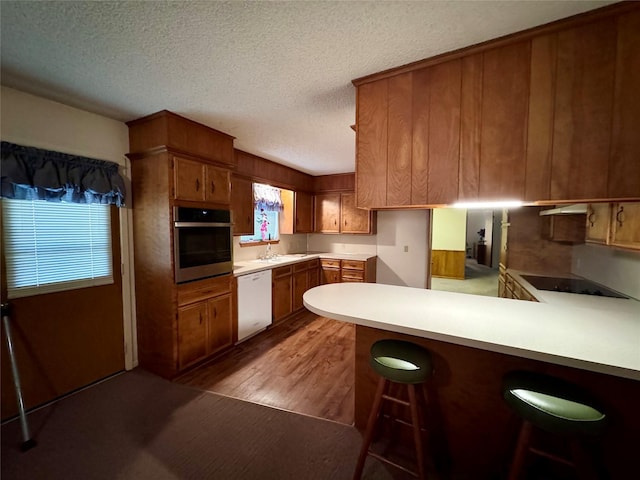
column 417, row 436
column 371, row 425
column 522, row 448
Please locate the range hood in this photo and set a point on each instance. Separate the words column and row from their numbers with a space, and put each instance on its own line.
column 575, row 209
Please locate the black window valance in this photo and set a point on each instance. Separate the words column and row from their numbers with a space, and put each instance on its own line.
column 30, row 173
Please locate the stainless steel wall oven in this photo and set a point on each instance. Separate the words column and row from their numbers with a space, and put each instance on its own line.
column 202, row 242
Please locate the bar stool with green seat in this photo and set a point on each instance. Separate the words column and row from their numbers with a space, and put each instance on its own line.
column 554, row 406
column 403, row 363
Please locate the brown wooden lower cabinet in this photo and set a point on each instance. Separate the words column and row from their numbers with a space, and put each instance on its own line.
column 336, row 271
column 472, row 429
column 289, row 284
column 330, row 270
column 205, row 320
column 509, row 287
column 281, row 293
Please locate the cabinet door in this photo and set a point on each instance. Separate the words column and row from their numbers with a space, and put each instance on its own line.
column 399, row 127
column 327, row 213
column 505, row 92
column 371, row 144
column 192, row 333
column 583, row 111
column 436, row 134
column 220, row 334
column 300, row 285
column 282, row 297
column 330, row 275
column 217, row 189
column 303, row 213
column 242, row 206
column 598, row 223
column 540, row 122
column 314, row 276
column 624, row 167
column 188, row 176
column 353, row 220
column 625, row 228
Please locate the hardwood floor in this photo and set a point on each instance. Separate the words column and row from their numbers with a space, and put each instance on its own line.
column 305, row 365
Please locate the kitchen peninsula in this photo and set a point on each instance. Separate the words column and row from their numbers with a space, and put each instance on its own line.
column 475, row 340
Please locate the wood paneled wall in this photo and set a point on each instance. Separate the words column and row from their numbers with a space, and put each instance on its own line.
column 529, row 250
column 448, row 264
column 265, row 171
column 342, row 182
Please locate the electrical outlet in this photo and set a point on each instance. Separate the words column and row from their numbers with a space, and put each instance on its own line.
column 406, row 248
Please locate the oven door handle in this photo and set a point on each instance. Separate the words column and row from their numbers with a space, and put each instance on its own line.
column 200, row 224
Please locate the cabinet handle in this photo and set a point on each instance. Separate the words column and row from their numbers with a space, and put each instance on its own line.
column 213, row 187
column 620, row 216
column 200, row 314
column 197, row 185
column 591, row 218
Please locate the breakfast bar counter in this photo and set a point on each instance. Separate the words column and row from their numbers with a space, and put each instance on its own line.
column 581, row 335
column 476, row 340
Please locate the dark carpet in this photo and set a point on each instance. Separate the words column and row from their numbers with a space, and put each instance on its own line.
column 139, row 426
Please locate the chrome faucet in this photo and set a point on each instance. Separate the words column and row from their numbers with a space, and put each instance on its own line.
column 268, row 254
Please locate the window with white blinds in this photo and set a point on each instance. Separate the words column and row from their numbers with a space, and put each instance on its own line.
column 51, row 246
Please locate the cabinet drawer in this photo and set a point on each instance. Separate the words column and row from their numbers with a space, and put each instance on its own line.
column 330, row 263
column 300, row 266
column 315, row 263
column 352, row 265
column 196, row 291
column 282, row 271
column 352, row 276
column 509, row 281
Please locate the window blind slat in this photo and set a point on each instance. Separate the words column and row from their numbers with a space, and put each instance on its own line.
column 55, row 246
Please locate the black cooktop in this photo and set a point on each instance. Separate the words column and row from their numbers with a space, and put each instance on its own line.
column 571, row 285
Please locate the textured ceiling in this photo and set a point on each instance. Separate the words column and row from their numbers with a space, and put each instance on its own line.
column 276, row 75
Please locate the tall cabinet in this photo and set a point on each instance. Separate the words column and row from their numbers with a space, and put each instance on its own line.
column 177, row 162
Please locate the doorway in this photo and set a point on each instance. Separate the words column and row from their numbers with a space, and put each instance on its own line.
column 465, row 246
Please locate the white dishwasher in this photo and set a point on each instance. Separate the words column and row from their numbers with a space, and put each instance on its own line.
column 254, row 303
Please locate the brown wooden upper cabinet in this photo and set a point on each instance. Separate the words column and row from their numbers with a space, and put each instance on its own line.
column 200, row 182
column 337, row 213
column 242, row 206
column 327, row 213
column 303, row 212
column 545, row 115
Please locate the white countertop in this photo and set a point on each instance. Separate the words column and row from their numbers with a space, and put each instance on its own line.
column 603, row 339
column 252, row 266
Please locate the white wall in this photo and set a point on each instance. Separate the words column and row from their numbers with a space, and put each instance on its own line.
column 400, row 230
column 36, row 122
column 449, row 229
column 346, row 243
column 613, row 268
